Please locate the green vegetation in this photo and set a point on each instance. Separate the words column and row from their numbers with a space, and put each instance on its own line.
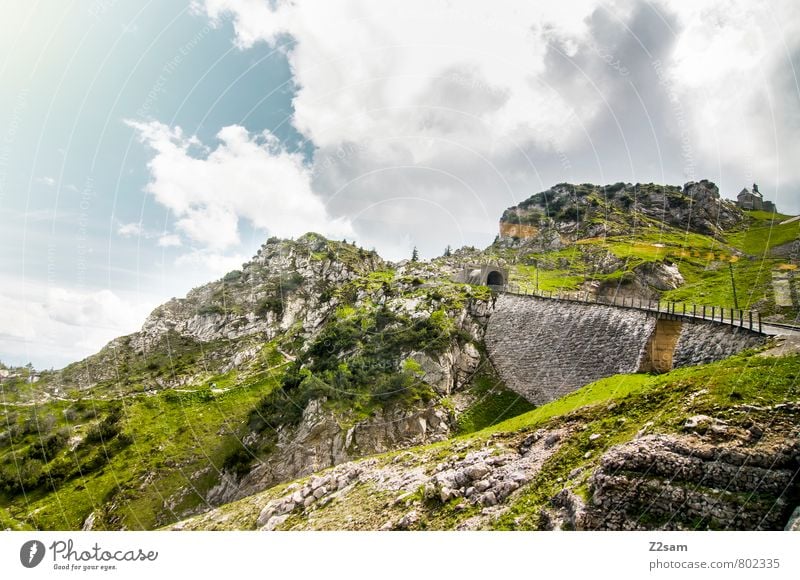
column 354, row 364
column 601, row 391
column 764, row 233
column 618, row 408
column 592, row 420
column 494, row 403
column 137, row 452
column 138, row 437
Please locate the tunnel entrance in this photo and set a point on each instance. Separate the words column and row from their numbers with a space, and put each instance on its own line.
column 495, row 278
column 483, row 275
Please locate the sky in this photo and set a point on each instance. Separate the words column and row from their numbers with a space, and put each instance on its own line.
column 149, row 147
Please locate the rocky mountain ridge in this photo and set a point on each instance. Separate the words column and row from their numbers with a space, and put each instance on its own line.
column 568, row 212
column 318, row 355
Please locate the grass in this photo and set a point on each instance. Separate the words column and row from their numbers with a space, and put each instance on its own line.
column 601, row 391
column 764, row 234
column 710, row 284
column 180, row 441
column 702, row 261
column 494, row 404
column 618, row 407
column 548, row 280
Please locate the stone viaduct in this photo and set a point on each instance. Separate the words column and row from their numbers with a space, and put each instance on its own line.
column 545, row 348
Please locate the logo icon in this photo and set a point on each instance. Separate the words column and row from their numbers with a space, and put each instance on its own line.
column 31, row 553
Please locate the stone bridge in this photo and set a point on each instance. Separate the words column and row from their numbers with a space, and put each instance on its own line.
column 544, row 348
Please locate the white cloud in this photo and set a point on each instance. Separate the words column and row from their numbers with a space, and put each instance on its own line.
column 169, row 241
column 215, row 263
column 370, row 71
column 439, row 114
column 366, row 71
column 246, row 177
column 55, row 325
column 129, row 230
column 724, row 70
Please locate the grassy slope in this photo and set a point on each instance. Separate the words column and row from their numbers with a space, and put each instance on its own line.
column 702, row 260
column 616, row 408
column 176, row 439
column 168, row 442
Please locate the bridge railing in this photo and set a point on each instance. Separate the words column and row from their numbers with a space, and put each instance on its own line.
column 732, row 316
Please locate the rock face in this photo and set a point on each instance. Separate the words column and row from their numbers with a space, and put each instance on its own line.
column 569, row 211
column 478, row 479
column 544, row 349
column 644, row 282
column 324, row 438
column 714, row 475
column 674, row 483
column 320, row 441
column 278, row 288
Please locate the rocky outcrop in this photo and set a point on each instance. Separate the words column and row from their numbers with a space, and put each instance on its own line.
column 736, row 471
column 480, row 479
column 321, row 441
column 684, row 482
column 587, row 210
column 280, row 287
column 645, row 282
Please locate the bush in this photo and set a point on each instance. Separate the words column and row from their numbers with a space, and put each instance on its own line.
column 48, row 447
column 209, row 309
column 233, row 276
column 238, row 461
column 106, row 429
column 23, row 476
column 272, row 304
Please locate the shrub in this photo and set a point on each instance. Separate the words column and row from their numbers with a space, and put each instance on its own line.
column 48, row 447
column 269, row 304
column 232, row 276
column 238, row 461
column 209, row 309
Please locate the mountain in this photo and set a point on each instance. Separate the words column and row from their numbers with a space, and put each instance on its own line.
column 588, row 211
column 321, row 386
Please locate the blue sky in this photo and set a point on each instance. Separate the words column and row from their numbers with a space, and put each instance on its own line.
column 73, row 173
column 146, row 148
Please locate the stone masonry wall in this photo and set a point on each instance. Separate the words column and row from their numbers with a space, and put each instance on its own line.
column 544, row 349
column 704, row 342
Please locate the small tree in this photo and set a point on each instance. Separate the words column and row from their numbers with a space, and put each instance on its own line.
column 448, row 252
column 414, row 254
